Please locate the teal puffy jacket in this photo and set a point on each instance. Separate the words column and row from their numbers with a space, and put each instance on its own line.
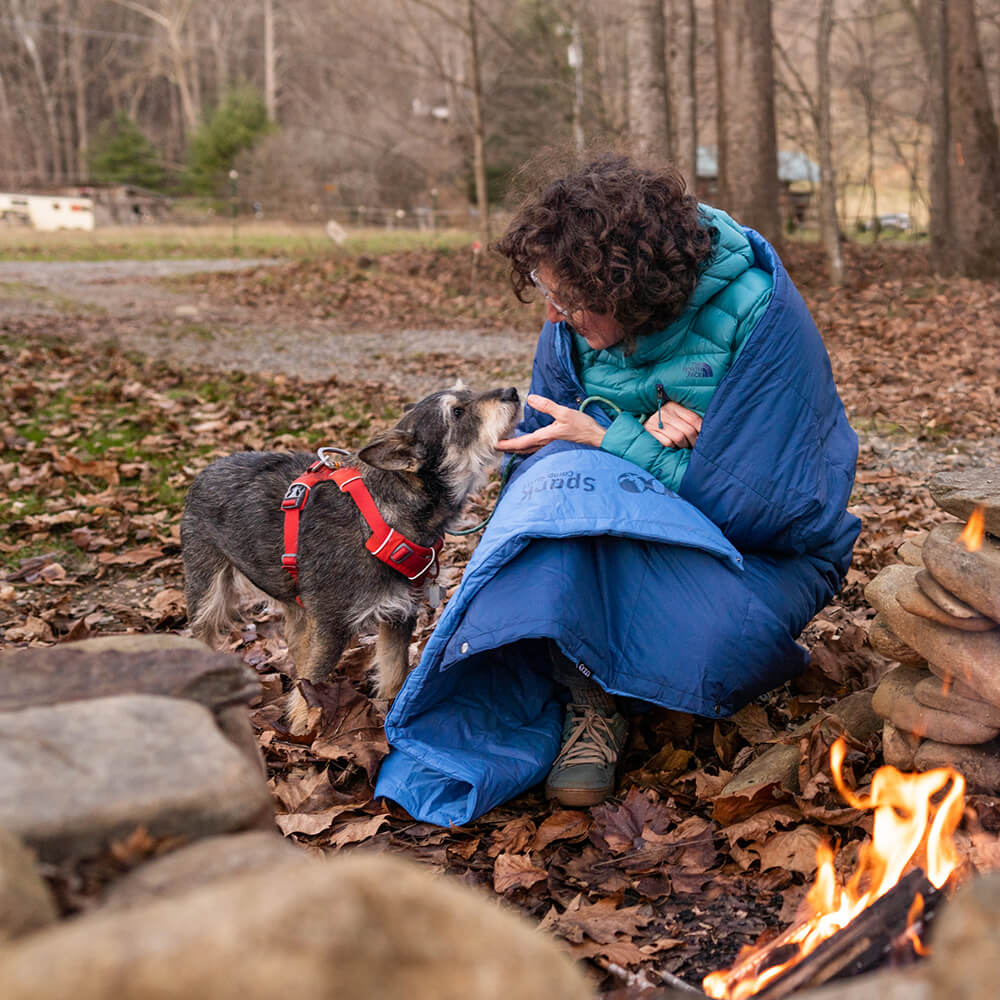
column 687, row 360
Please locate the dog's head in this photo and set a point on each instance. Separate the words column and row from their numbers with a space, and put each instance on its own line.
column 449, row 436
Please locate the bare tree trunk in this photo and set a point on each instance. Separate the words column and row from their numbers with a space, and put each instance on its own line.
column 77, row 57
column 270, row 78
column 829, row 225
column 974, row 154
column 936, row 48
column 576, row 64
column 748, row 145
column 478, row 130
column 44, row 90
column 931, row 22
column 681, row 31
column 648, row 113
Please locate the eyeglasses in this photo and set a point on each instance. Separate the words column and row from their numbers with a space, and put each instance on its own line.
column 546, row 294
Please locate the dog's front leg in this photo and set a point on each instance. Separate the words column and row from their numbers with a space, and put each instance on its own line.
column 316, row 648
column 392, row 656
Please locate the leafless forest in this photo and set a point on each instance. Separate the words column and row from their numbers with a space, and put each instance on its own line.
column 434, row 104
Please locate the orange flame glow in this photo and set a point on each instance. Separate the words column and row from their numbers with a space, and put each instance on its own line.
column 974, row 530
column 908, row 830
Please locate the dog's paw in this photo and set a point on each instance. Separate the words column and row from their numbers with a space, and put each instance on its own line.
column 300, row 717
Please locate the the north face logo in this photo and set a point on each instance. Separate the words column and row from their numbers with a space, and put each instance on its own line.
column 698, row 369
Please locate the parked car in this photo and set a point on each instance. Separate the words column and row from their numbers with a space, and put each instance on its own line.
column 893, row 220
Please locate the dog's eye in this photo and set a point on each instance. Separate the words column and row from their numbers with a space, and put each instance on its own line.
column 458, row 412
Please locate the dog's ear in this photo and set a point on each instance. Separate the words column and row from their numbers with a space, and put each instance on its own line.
column 394, row 451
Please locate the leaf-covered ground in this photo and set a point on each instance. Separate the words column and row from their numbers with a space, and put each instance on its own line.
column 98, row 445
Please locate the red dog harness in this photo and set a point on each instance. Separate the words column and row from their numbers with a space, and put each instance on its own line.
column 386, row 544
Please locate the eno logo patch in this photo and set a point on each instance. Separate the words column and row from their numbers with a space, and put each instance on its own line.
column 698, row 369
column 634, row 482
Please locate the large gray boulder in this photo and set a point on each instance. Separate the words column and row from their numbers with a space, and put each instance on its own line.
column 364, row 927
column 74, row 777
column 124, row 664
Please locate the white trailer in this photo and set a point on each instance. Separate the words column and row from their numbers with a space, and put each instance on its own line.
column 48, row 212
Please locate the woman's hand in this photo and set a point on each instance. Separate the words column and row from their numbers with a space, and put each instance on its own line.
column 567, row 425
column 680, row 425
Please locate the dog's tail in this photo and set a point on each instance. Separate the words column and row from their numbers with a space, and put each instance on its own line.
column 214, row 612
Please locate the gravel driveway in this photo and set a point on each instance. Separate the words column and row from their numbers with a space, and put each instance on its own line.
column 165, row 321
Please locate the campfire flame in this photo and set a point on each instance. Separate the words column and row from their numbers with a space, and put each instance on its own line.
column 915, row 817
column 974, row 530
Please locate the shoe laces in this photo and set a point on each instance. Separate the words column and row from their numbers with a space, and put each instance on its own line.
column 592, row 739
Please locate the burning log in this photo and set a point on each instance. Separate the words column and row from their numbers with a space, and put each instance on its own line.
column 851, row 927
column 879, row 932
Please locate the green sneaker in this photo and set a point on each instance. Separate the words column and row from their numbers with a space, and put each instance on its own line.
column 584, row 772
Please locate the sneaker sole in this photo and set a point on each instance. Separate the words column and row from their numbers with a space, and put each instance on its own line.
column 578, row 796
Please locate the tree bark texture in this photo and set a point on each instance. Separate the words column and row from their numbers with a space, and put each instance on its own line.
column 748, row 150
column 478, row 129
column 974, row 150
column 648, row 112
column 829, row 225
column 681, row 37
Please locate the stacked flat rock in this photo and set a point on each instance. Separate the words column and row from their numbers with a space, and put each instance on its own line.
column 938, row 618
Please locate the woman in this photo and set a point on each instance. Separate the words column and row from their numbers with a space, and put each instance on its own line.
column 681, row 516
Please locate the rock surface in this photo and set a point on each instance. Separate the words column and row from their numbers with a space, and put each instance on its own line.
column 124, row 664
column 972, row 657
column 959, row 493
column 935, row 693
column 896, row 701
column 74, row 777
column 898, row 747
column 911, row 551
column 361, row 926
column 26, row 902
column 912, row 598
column 883, row 640
column 980, row 765
column 200, row 864
column 973, row 577
column 944, row 599
column 966, row 943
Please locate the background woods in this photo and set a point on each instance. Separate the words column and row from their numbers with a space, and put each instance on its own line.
column 428, row 106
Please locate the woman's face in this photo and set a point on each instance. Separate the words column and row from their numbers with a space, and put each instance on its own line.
column 600, row 330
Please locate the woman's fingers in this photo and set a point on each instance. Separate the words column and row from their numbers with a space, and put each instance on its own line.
column 567, row 425
column 680, row 426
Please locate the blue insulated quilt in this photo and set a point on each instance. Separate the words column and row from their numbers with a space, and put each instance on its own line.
column 691, row 600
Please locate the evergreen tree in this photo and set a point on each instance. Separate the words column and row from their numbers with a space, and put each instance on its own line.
column 123, row 155
column 234, row 126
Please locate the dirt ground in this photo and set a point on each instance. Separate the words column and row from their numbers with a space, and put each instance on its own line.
column 188, row 324
column 652, row 880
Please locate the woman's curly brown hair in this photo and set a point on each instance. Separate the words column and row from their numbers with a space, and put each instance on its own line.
column 620, row 238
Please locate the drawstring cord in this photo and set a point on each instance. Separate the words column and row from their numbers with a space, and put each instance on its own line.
column 508, row 468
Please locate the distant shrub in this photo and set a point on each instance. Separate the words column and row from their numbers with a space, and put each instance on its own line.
column 121, row 154
column 234, row 126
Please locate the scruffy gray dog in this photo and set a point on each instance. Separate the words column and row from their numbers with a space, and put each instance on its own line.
column 236, row 540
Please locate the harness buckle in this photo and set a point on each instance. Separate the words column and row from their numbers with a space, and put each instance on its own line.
column 295, row 497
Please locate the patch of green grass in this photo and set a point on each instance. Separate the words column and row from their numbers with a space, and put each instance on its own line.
column 253, row 239
column 23, row 291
